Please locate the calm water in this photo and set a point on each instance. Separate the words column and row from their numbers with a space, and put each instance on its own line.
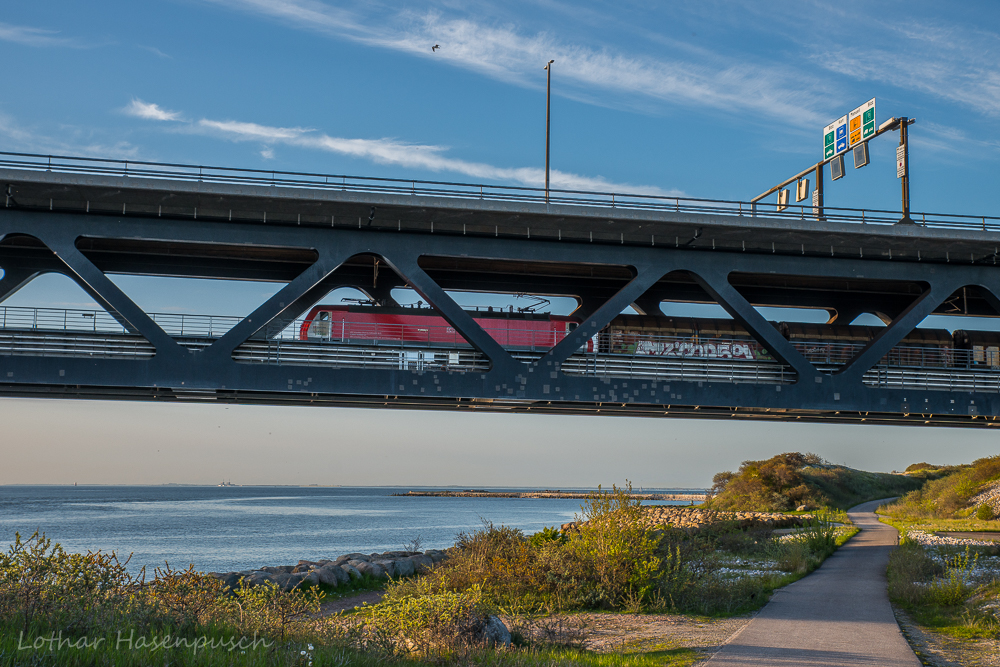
column 237, row 528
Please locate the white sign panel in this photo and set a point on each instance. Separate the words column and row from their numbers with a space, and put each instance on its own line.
column 900, row 161
column 835, row 138
column 861, row 123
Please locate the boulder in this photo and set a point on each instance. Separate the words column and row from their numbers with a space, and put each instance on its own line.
column 388, row 565
column 372, row 569
column 404, row 568
column 338, row 572
column 312, row 577
column 260, row 578
column 435, row 555
column 421, row 563
column 327, row 576
column 350, row 557
column 495, row 633
column 350, row 570
column 294, row 580
column 279, row 569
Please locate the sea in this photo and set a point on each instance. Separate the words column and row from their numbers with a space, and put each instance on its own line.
column 231, row 528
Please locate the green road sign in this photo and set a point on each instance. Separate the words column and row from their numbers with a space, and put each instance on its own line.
column 868, row 118
column 828, row 145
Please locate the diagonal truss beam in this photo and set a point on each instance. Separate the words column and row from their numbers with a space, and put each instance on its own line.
column 646, row 276
column 289, row 302
column 717, row 284
column 407, row 267
column 108, row 295
column 14, row 278
column 901, row 326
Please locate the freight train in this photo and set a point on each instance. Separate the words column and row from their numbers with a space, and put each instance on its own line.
column 639, row 335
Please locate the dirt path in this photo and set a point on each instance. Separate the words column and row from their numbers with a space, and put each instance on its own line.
column 631, row 633
column 345, row 604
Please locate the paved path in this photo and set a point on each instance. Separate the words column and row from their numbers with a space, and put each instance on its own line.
column 838, row 615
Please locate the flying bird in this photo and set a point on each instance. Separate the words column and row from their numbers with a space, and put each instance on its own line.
column 435, row 47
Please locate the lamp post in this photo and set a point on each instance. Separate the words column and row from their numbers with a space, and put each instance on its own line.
column 548, row 105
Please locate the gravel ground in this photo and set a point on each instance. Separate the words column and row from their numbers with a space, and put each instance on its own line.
column 940, row 650
column 631, row 633
column 612, row 633
column 927, row 540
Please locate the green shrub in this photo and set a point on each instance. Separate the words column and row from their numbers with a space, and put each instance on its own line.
column 270, row 611
column 615, row 548
column 985, row 512
column 425, row 621
column 909, row 570
column 954, row 588
column 547, row 534
column 789, row 480
column 42, row 583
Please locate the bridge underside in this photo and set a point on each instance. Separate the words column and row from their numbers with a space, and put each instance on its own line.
column 247, row 363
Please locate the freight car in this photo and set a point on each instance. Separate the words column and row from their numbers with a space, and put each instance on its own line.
column 640, row 335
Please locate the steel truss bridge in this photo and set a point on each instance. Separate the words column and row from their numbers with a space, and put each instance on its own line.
column 313, row 233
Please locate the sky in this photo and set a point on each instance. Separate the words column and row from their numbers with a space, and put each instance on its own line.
column 700, row 99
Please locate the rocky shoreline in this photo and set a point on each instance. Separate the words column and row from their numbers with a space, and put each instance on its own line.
column 562, row 495
column 338, row 571
column 394, row 564
column 695, row 518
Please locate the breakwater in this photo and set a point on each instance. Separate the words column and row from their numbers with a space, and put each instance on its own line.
column 336, row 571
column 562, row 495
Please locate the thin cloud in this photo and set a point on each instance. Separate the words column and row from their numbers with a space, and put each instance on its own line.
column 505, row 53
column 410, row 156
column 149, row 111
column 17, row 137
column 948, row 61
column 28, row 36
column 156, row 52
column 944, row 139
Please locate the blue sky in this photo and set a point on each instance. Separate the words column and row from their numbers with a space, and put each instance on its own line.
column 702, row 99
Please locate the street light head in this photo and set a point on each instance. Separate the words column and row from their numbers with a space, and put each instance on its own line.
column 549, row 63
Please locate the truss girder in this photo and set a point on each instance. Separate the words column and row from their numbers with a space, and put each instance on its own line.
column 178, row 369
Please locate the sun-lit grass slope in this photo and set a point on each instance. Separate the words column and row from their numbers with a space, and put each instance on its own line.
column 787, row 481
column 971, row 491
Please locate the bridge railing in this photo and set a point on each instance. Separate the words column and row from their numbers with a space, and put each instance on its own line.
column 508, row 193
column 640, row 346
column 99, row 321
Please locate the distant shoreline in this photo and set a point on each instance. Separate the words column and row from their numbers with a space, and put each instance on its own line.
column 482, row 493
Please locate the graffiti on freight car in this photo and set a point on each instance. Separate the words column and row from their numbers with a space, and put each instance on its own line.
column 695, row 350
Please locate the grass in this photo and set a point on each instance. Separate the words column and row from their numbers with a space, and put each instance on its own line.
column 950, row 496
column 946, row 589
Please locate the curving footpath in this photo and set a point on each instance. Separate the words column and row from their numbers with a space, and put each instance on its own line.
column 838, row 615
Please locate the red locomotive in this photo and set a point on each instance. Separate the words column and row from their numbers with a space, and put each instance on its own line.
column 359, row 324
